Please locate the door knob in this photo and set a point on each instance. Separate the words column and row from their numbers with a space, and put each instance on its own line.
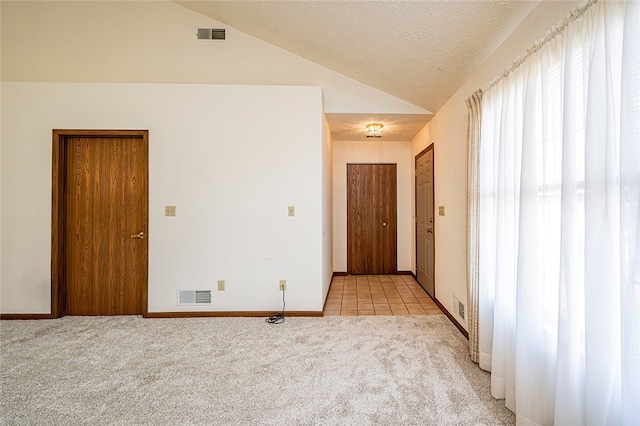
column 140, row 235
column 384, row 223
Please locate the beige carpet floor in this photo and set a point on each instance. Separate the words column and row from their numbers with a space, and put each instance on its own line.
column 378, row 370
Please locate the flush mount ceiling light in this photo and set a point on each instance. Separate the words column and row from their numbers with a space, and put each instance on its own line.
column 374, row 130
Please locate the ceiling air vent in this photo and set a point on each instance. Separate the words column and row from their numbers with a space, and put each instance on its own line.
column 194, row 297
column 211, row 34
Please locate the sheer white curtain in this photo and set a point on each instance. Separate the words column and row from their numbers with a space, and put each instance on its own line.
column 560, row 224
column 474, row 107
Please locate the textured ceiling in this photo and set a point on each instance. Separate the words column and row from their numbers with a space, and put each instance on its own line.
column 397, row 127
column 418, row 51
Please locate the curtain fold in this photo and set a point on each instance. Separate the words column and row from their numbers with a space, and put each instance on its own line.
column 559, row 224
column 474, row 108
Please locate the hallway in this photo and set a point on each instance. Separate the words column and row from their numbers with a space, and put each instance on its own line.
column 378, row 295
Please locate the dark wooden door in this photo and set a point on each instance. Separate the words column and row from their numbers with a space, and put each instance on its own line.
column 105, row 225
column 371, row 219
column 425, row 245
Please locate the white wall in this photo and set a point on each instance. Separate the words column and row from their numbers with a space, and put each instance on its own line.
column 0, row 147
column 327, row 208
column 378, row 151
column 231, row 158
column 154, row 42
column 448, row 130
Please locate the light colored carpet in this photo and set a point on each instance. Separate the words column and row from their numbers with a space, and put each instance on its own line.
column 411, row 370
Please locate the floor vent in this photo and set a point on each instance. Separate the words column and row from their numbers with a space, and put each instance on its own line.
column 194, row 297
column 458, row 306
column 211, row 34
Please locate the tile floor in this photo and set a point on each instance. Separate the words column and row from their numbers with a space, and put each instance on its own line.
column 378, row 295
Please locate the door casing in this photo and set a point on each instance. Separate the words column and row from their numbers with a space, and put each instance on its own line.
column 58, row 211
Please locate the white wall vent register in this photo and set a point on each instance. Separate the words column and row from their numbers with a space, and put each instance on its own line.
column 194, row 297
column 211, row 33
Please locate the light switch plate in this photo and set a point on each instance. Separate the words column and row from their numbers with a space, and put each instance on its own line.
column 292, row 210
column 220, row 285
column 169, row 210
column 441, row 210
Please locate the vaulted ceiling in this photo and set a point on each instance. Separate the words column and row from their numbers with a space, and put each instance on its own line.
column 419, row 51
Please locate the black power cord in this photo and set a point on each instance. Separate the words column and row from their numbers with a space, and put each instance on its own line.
column 278, row 317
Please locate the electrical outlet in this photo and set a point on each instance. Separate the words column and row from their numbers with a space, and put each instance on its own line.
column 169, row 210
column 220, row 285
column 283, row 285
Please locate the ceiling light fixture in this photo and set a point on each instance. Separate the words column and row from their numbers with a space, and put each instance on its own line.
column 374, row 130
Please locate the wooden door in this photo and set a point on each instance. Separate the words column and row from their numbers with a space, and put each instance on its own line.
column 105, row 223
column 425, row 247
column 371, row 219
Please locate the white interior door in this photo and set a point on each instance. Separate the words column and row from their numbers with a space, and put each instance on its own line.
column 425, row 247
